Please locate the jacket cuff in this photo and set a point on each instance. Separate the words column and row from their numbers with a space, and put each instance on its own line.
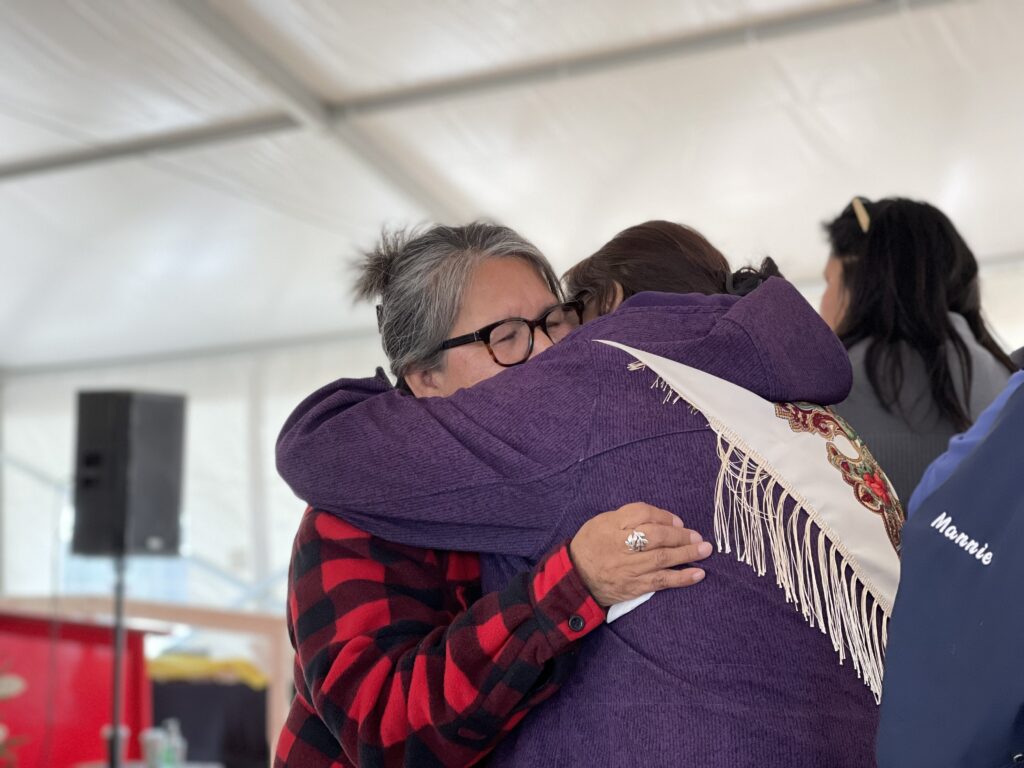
column 566, row 609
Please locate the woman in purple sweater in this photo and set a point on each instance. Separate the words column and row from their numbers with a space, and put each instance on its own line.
column 727, row 675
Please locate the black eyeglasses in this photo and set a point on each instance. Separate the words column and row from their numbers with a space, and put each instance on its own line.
column 510, row 341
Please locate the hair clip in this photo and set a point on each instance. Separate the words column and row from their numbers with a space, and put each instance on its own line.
column 729, row 286
column 862, row 214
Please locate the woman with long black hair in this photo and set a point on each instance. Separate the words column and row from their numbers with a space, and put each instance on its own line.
column 902, row 294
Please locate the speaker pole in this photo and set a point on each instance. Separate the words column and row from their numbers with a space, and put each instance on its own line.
column 115, row 736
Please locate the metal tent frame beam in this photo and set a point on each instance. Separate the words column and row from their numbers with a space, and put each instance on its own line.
column 156, row 143
column 744, row 33
column 302, row 104
column 303, row 109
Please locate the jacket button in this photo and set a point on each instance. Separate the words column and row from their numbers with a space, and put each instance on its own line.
column 576, row 623
column 1018, row 759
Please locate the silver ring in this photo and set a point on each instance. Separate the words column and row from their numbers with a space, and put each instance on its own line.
column 636, row 541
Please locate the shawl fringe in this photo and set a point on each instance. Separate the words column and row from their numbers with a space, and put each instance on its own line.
column 759, row 519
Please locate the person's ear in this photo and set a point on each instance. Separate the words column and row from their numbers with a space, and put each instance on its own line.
column 615, row 299
column 426, row 383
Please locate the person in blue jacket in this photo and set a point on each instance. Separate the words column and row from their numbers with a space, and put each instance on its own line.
column 954, row 677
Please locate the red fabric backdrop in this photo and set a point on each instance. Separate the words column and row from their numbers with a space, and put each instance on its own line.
column 69, row 669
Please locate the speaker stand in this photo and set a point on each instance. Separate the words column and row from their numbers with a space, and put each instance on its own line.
column 114, row 743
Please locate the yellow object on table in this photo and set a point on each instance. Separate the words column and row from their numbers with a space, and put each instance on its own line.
column 180, row 667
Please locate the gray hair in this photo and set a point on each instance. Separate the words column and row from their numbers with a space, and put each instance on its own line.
column 419, row 277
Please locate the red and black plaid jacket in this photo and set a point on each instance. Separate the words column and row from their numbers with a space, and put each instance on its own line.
column 401, row 662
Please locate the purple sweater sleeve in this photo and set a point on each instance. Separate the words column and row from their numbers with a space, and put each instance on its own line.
column 489, row 469
column 483, row 470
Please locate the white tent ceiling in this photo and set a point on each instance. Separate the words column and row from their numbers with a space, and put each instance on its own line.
column 187, row 174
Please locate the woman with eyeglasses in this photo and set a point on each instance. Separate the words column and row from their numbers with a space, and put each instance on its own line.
column 902, row 294
column 400, row 658
column 728, row 673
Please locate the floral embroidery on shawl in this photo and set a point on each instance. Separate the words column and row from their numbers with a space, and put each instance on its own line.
column 860, row 471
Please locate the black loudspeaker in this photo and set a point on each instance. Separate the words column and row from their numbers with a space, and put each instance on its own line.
column 128, row 473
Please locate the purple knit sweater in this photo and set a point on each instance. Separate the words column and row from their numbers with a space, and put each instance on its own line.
column 721, row 674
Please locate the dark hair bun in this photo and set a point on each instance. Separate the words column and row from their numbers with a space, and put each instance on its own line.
column 743, row 281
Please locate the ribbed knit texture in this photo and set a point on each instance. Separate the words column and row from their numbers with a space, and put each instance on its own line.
column 721, row 674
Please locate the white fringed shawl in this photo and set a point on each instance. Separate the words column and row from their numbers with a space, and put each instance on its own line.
column 797, row 489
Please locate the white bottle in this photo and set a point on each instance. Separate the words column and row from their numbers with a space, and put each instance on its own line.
column 176, row 746
column 154, row 747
